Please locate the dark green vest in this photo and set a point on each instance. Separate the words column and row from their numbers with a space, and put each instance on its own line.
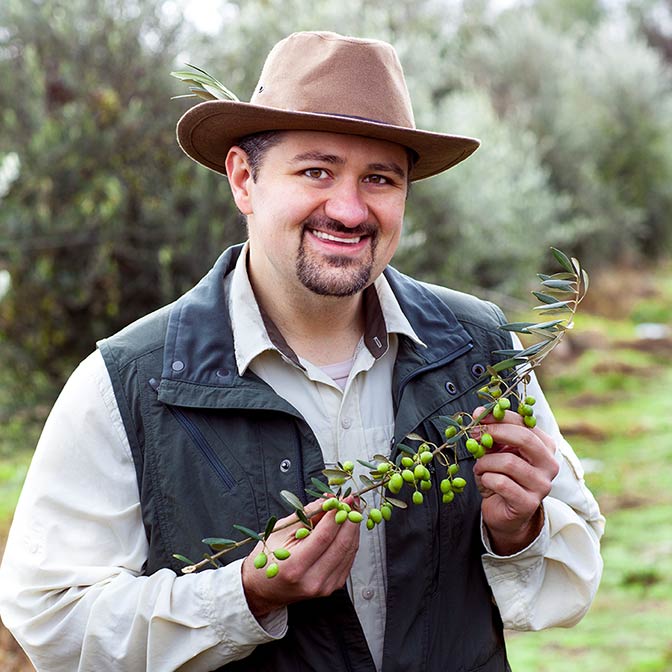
column 212, row 449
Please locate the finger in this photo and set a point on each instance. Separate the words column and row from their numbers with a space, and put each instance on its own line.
column 519, row 501
column 513, row 418
column 533, row 445
column 531, row 478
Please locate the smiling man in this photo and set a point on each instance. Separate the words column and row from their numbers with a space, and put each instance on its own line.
column 301, row 347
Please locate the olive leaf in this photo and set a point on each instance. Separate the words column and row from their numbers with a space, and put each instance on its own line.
column 217, row 543
column 183, row 558
column 248, row 532
column 291, row 499
column 269, row 527
column 562, row 259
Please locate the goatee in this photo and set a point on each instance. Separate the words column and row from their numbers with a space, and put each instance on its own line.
column 335, row 274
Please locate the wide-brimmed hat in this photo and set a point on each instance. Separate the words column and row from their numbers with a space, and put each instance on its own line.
column 321, row 81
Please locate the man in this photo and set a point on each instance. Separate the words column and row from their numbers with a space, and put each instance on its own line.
column 299, row 349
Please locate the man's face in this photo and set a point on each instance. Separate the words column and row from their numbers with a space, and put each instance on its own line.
column 325, row 213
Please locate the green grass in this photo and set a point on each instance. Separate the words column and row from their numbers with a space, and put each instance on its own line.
column 614, row 403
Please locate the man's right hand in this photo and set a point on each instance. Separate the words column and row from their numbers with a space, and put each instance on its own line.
column 318, row 565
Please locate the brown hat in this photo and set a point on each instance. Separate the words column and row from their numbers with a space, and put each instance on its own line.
column 321, row 81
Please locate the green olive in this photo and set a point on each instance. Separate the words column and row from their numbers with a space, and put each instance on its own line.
column 487, row 441
column 419, row 472
column 504, row 403
column 261, row 560
column 386, row 511
column 448, row 497
column 426, row 458
column 407, row 461
column 329, row 504
column 336, row 481
column 498, row 413
column 417, row 497
column 446, row 486
column 396, row 483
column 302, row 533
column 348, row 465
column 272, row 570
column 376, row 515
column 450, row 431
column 453, row 468
column 383, row 467
column 408, row 476
column 341, row 517
column 459, row 482
column 530, row 421
column 281, row 553
column 370, row 524
column 472, row 445
column 425, row 485
column 355, row 517
column 530, row 400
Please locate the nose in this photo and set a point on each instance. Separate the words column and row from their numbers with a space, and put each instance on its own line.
column 346, row 204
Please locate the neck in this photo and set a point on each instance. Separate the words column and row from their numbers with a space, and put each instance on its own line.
column 322, row 329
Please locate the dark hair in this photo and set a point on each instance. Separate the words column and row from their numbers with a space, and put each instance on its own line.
column 256, row 146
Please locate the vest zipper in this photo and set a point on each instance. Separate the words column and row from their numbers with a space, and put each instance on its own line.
column 196, row 436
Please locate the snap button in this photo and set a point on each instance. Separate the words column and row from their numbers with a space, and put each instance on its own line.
column 285, row 465
column 346, row 423
column 368, row 593
column 450, row 386
column 177, row 365
column 477, row 370
column 222, row 373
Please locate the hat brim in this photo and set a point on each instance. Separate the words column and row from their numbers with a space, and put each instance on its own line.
column 208, row 130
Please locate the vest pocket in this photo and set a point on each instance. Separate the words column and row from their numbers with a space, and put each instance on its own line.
column 197, row 438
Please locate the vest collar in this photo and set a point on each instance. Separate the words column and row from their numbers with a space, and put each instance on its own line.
column 199, row 360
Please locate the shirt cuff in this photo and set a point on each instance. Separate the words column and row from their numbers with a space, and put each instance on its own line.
column 534, row 550
column 227, row 610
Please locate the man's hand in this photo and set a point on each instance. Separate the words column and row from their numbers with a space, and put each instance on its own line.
column 514, row 477
column 318, row 565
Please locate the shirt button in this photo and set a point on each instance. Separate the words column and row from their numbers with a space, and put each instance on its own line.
column 177, row 365
column 346, row 423
column 367, row 593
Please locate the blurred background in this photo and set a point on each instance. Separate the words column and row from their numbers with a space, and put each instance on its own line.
column 102, row 219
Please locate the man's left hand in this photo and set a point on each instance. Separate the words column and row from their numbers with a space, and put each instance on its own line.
column 514, row 477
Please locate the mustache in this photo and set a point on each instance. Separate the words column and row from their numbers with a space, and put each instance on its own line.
column 334, row 226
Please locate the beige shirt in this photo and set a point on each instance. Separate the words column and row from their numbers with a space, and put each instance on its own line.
column 72, row 588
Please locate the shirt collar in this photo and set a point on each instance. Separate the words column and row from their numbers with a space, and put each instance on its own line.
column 254, row 332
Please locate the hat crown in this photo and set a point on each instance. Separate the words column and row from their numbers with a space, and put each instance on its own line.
column 327, row 73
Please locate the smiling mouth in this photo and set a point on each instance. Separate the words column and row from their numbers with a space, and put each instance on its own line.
column 335, row 239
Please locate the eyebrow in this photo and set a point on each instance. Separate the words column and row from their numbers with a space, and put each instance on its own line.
column 391, row 167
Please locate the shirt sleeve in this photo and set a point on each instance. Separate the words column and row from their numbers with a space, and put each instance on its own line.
column 71, row 585
column 554, row 580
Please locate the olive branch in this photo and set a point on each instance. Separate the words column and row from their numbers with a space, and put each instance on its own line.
column 203, row 85
column 560, row 298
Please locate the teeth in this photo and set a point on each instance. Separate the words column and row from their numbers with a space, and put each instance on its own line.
column 327, row 236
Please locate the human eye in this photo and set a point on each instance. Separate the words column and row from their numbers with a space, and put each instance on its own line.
column 316, row 173
column 377, row 179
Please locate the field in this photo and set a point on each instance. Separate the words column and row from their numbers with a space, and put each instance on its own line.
column 608, row 386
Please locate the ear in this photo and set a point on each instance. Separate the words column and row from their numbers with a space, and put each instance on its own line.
column 240, row 179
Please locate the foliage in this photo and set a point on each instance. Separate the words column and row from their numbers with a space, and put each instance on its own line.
column 106, row 219
column 599, row 102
